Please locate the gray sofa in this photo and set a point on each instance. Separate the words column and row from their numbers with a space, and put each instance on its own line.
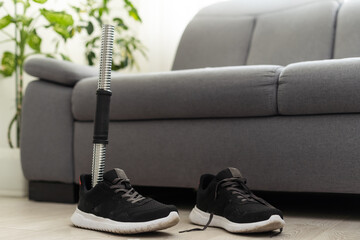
column 269, row 87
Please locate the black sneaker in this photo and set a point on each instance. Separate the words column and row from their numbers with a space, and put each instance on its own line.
column 114, row 206
column 225, row 201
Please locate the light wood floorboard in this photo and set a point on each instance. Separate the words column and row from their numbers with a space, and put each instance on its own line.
column 22, row 219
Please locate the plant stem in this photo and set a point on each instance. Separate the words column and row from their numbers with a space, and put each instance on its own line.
column 7, row 40
column 30, row 54
column 5, row 10
column 33, row 23
column 16, row 76
column 19, row 91
column 6, row 33
column 19, row 106
column 9, row 130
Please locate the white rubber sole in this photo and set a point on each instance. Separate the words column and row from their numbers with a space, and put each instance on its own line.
column 201, row 218
column 90, row 221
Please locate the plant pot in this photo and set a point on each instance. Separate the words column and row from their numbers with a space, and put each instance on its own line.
column 12, row 180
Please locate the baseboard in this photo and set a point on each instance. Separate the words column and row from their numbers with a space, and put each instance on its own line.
column 53, row 192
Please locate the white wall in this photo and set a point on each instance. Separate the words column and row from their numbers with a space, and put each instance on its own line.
column 163, row 23
column 7, row 85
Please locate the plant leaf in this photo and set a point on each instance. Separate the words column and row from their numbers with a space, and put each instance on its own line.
column 5, row 21
column 92, row 42
column 91, row 13
column 101, row 10
column 57, row 46
column 62, row 31
column 120, row 23
column 78, row 29
column 40, row 1
column 59, row 18
column 64, row 57
column 34, row 41
column 90, row 56
column 24, row 19
column 72, row 32
column 8, row 64
column 132, row 10
column 24, row 2
column 134, row 14
column 90, row 28
column 77, row 9
column 49, row 55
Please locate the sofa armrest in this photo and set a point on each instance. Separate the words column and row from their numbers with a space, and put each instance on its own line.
column 58, row 71
column 47, row 133
column 320, row 87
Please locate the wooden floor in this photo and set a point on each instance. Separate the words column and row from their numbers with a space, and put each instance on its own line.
column 306, row 218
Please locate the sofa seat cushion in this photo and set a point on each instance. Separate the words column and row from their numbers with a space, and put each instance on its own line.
column 320, row 87
column 241, row 91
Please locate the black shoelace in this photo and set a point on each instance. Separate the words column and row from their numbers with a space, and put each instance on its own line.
column 277, row 233
column 200, row 229
column 120, row 186
column 238, row 187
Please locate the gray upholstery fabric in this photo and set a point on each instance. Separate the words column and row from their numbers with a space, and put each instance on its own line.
column 169, row 128
column 47, row 133
column 62, row 72
column 213, row 92
column 242, row 32
column 302, row 153
column 347, row 42
column 292, row 35
column 329, row 86
column 214, row 42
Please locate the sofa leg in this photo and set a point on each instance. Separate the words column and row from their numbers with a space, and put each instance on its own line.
column 53, row 192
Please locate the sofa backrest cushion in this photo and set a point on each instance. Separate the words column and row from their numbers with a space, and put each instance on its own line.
column 292, row 35
column 347, row 41
column 243, row 32
column 211, row 41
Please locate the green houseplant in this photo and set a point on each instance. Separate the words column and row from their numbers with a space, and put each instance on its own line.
column 90, row 15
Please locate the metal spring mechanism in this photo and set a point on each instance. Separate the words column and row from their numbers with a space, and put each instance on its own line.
column 107, row 41
column 98, row 164
column 101, row 125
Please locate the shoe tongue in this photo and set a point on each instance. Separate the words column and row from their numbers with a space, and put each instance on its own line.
column 114, row 173
column 228, row 173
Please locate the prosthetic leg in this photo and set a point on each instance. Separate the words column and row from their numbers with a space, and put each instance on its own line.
column 107, row 201
column 101, row 125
